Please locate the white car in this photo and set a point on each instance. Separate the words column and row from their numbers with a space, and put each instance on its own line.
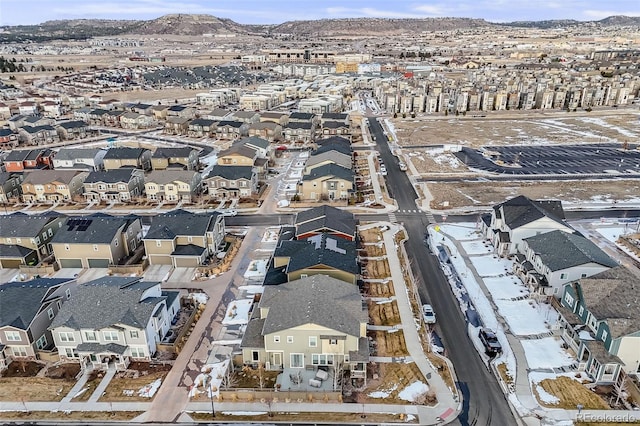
column 229, row 212
column 428, row 315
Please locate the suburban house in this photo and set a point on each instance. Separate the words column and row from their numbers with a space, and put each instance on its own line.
column 113, row 321
column 248, row 117
column 224, row 182
column 335, row 128
column 96, row 241
column 599, row 322
column 327, row 182
column 52, row 186
column 261, row 145
column 111, row 118
column 310, row 323
column 181, row 111
column 180, row 158
column 139, row 158
column 114, row 185
column 184, row 239
column 89, row 159
column 26, row 311
column 201, row 127
column 8, row 139
column 266, row 129
column 328, row 157
column 26, row 239
column 176, row 125
column 75, row 129
column 227, row 129
column 10, row 189
column 334, row 117
column 237, row 154
column 549, row 261
column 173, row 185
column 319, row 254
column 325, row 220
column 296, row 131
column 20, row 160
column 134, row 120
column 280, row 118
column 519, row 218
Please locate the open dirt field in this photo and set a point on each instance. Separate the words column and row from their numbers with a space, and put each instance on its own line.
column 448, row 195
column 571, row 393
column 517, row 128
column 379, row 289
column 392, row 379
column 389, row 344
column 73, row 415
column 114, row 391
column 384, row 313
column 34, row 388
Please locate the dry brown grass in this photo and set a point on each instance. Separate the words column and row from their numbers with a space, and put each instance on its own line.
column 462, row 194
column 114, row 391
column 372, row 250
column 371, row 235
column 393, row 379
column 34, row 388
column 390, row 344
column 73, row 415
column 570, row 393
column 379, row 289
column 378, row 269
column 504, row 374
column 384, row 313
column 310, row 417
column 91, row 385
column 443, row 369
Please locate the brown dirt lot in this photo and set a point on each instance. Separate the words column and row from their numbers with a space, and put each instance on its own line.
column 323, row 417
column 34, row 388
column 146, row 375
column 465, row 194
column 389, row 344
column 384, row 314
column 74, row 415
column 571, row 393
column 379, row 289
column 23, row 369
column 393, row 378
column 371, row 235
column 378, row 269
column 518, row 127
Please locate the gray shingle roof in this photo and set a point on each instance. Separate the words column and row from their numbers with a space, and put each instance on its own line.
column 182, row 223
column 318, row 299
column 329, row 170
column 13, row 251
column 21, row 301
column 167, row 176
column 75, row 124
column 106, row 302
column 91, row 229
column 560, row 250
column 323, row 218
column 521, row 210
column 111, row 176
column 180, row 152
column 254, row 141
column 75, row 153
column 23, row 226
column 120, row 153
column 231, row 172
column 322, row 249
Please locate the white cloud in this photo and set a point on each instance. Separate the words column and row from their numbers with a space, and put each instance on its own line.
column 601, row 14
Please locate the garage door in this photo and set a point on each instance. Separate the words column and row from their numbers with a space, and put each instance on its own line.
column 160, row 259
column 10, row 263
column 98, row 263
column 186, row 262
column 71, row 263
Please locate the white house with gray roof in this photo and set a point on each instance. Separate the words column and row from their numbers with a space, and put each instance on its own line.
column 86, row 159
column 316, row 321
column 550, row 260
column 113, row 320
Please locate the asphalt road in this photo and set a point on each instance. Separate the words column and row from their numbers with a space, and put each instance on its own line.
column 484, row 402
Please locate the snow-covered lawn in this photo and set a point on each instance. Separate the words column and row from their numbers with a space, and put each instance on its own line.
column 546, row 353
column 461, row 231
column 526, row 317
column 209, row 379
column 238, row 312
column 477, row 247
column 251, row 289
column 535, row 377
column 507, row 287
column 271, row 235
column 413, row 391
column 383, row 393
column 491, row 265
column 257, row 268
column 611, row 233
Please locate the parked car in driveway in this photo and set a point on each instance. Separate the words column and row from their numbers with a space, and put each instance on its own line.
column 428, row 315
column 490, row 341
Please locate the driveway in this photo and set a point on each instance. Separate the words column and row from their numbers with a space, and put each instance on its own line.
column 182, row 276
column 7, row 275
column 157, row 272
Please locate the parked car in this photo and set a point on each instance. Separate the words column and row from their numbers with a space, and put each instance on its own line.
column 490, row 341
column 229, row 212
column 383, row 170
column 428, row 315
column 402, row 166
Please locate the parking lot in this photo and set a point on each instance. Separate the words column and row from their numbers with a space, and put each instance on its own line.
column 555, row 160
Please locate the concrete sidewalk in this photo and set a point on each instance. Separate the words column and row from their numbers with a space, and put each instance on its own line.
column 111, row 371
column 78, row 386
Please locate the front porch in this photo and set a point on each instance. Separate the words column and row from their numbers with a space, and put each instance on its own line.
column 99, row 357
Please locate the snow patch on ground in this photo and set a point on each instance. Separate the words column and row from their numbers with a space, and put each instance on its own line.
column 271, row 235
column 413, row 391
column 150, row 390
column 199, row 297
column 546, row 353
column 461, row 231
column 491, row 265
column 238, row 312
column 257, row 268
column 508, row 287
column 526, row 317
column 383, row 393
column 477, row 247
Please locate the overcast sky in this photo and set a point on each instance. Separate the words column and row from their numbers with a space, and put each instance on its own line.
column 15, row 12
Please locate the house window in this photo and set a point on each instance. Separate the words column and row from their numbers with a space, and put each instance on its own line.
column 322, row 359
column 68, row 293
column 50, row 231
column 133, row 334
column 604, row 335
column 583, row 276
column 66, row 247
column 12, row 336
column 276, row 339
column 563, row 276
column 115, row 242
column 568, row 299
column 289, row 339
column 190, row 239
column 333, row 341
column 158, row 243
column 110, row 336
column 255, row 356
column 90, row 336
column 581, row 310
column 19, row 351
column 70, row 353
column 18, row 240
column 297, row 361
column 50, row 313
column 41, row 343
column 59, row 304
column 137, row 352
column 95, row 247
column 313, row 341
column 9, row 241
column 66, row 336
column 38, row 240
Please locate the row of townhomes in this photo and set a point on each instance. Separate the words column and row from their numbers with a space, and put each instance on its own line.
column 123, row 174
column 590, row 291
column 311, row 314
column 177, row 238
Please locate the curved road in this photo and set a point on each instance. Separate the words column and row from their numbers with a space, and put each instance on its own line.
column 484, row 402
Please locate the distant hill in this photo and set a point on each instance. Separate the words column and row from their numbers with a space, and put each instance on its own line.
column 194, row 25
